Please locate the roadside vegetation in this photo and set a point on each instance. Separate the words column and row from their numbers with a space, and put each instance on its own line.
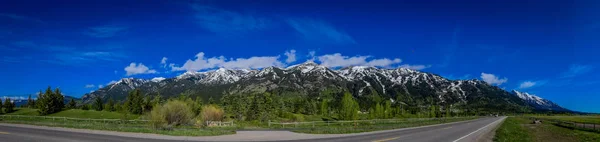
column 334, row 112
column 523, row 129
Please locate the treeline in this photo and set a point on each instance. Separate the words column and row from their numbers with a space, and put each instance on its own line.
column 48, row 102
column 7, row 106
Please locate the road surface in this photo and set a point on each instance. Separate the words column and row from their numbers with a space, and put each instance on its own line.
column 466, row 131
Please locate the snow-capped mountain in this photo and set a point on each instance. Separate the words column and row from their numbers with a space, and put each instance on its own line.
column 538, row 102
column 410, row 87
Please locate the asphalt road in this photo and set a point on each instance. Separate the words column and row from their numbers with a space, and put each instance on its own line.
column 467, row 131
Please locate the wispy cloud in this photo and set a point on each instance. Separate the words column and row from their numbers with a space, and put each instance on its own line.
column 105, row 31
column 576, row 70
column 225, row 22
column 493, row 79
column 163, row 62
column 21, row 18
column 291, row 56
column 339, row 60
column 90, row 86
column 65, row 55
column 415, row 67
column 321, row 31
column 527, row 84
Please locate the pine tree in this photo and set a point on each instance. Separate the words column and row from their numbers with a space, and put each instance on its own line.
column 147, row 104
column 38, row 102
column 85, row 107
column 45, row 102
column 59, row 102
column 133, row 103
column 8, row 106
column 349, row 107
column 72, row 104
column 98, row 104
column 30, row 102
column 211, row 100
column 1, row 105
column 110, row 105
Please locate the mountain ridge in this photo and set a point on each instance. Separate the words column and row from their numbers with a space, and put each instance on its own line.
column 407, row 86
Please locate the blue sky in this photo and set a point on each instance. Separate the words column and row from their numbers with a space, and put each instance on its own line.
column 543, row 47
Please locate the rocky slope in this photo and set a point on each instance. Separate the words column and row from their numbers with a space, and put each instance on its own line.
column 409, row 87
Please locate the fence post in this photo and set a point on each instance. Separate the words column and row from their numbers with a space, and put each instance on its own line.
column 269, row 123
column 313, row 124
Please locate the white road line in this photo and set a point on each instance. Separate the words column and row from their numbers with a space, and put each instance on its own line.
column 477, row 130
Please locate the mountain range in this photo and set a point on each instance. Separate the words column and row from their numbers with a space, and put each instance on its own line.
column 400, row 85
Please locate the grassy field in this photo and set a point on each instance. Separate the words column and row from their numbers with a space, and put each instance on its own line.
column 580, row 119
column 520, row 129
column 341, row 128
column 29, row 116
column 513, row 131
column 77, row 113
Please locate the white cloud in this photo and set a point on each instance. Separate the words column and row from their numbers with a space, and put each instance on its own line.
column 111, row 82
column 414, row 67
column 203, row 63
column 493, row 79
column 383, row 62
column 527, row 84
column 253, row 63
column 338, row 60
column 100, row 86
column 90, row 86
column 291, row 56
column 163, row 62
column 157, row 79
column 134, row 69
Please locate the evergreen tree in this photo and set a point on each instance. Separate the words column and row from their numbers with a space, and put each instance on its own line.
column 72, row 104
column 110, row 105
column 9, row 106
column 38, row 102
column 349, row 107
column 133, row 103
column 45, row 102
column 85, row 107
column 1, row 105
column 211, row 101
column 147, row 104
column 30, row 102
column 98, row 105
column 59, row 102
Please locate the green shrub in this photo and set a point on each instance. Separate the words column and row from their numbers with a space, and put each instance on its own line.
column 211, row 113
column 172, row 113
